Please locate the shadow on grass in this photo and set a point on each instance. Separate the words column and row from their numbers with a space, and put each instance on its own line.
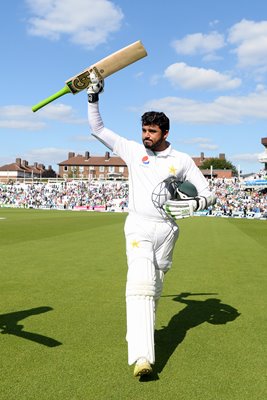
column 195, row 313
column 9, row 325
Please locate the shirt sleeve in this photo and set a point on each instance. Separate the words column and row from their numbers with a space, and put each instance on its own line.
column 124, row 148
column 103, row 134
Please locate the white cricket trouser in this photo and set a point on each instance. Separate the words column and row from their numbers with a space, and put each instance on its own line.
column 149, row 248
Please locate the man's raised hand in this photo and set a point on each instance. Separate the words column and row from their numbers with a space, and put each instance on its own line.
column 96, row 86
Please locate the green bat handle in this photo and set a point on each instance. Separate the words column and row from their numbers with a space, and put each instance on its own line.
column 55, row 96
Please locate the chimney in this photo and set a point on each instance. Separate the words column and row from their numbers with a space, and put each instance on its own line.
column 71, row 154
column 202, row 156
column 107, row 156
column 25, row 163
column 18, row 161
column 87, row 155
column 35, row 165
column 222, row 156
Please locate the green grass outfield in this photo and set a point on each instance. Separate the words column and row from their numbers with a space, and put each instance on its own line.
column 62, row 278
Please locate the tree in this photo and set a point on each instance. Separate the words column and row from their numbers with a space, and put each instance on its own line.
column 219, row 163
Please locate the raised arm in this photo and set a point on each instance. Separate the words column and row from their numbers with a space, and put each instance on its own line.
column 103, row 134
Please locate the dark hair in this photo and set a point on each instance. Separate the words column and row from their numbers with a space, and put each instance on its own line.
column 156, row 118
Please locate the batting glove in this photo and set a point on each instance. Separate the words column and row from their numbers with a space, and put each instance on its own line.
column 96, row 86
column 178, row 209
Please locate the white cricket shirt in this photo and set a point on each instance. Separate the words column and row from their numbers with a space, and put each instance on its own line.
column 147, row 168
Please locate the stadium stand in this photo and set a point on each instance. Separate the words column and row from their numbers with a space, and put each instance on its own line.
column 235, row 198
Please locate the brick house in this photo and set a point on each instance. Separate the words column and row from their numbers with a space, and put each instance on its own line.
column 111, row 167
column 21, row 170
column 93, row 167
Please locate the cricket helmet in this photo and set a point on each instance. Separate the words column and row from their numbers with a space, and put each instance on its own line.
column 172, row 189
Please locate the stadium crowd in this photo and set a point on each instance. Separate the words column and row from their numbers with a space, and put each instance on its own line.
column 232, row 199
column 64, row 195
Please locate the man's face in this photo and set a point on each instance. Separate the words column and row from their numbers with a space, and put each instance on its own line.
column 153, row 138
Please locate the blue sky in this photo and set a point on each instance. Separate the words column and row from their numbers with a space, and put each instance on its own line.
column 206, row 69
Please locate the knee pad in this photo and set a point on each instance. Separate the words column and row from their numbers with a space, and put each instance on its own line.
column 143, row 279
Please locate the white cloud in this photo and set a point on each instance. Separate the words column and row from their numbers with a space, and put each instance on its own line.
column 84, row 138
column 251, row 40
column 155, row 79
column 191, row 111
column 22, row 125
column 46, row 155
column 253, row 105
column 139, row 75
column 47, row 151
column 22, row 118
column 19, row 117
column 187, row 77
column 214, row 22
column 196, row 140
column 211, row 57
column 60, row 112
column 222, row 110
column 201, row 142
column 247, row 157
column 15, row 111
column 85, row 22
column 199, row 43
column 208, row 146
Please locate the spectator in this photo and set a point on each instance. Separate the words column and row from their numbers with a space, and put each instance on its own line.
column 231, row 198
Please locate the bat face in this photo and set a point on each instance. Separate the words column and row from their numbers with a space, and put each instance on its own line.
column 82, row 80
column 107, row 66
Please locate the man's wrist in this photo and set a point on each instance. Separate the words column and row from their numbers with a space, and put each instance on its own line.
column 93, row 97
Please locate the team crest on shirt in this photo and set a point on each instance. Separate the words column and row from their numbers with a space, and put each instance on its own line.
column 145, row 160
column 135, row 244
column 172, row 170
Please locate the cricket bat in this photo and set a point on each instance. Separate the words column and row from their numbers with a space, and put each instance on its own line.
column 103, row 68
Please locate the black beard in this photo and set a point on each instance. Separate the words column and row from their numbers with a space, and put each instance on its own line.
column 153, row 146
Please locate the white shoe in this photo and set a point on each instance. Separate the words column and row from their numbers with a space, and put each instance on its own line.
column 142, row 367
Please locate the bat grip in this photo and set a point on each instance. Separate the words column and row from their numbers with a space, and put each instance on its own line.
column 51, row 98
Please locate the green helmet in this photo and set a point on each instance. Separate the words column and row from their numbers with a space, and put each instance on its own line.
column 179, row 190
column 185, row 189
column 172, row 189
